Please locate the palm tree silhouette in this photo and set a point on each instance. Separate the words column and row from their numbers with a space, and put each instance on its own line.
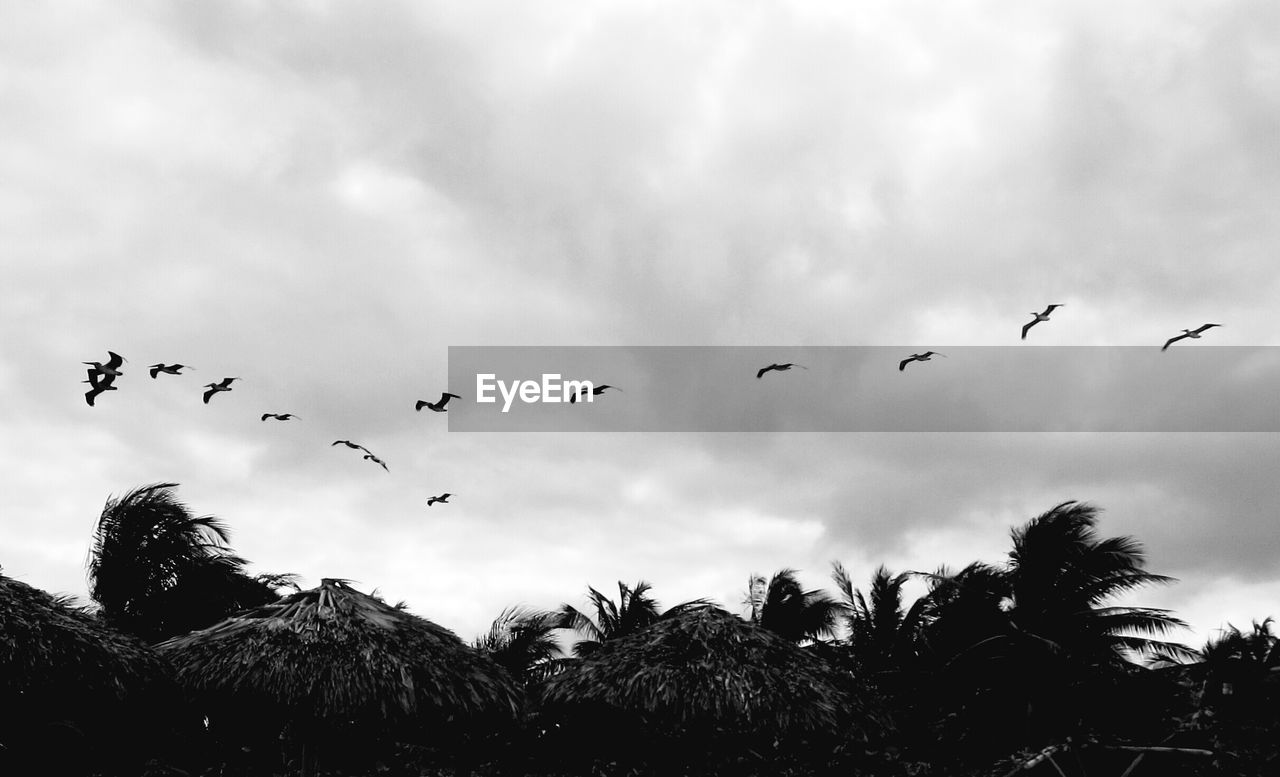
column 1240, row 667
column 156, row 570
column 883, row 637
column 785, row 608
column 633, row 611
column 1033, row 644
column 523, row 642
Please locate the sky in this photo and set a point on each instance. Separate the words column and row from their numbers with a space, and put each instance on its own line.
column 323, row 198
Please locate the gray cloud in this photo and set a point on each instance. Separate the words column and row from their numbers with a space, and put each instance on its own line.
column 322, row 200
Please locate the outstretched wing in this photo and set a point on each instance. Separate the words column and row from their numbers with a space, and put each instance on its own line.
column 902, row 365
column 1028, row 326
column 1173, row 340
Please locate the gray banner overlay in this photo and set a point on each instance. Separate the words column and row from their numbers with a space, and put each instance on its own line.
column 1189, row 388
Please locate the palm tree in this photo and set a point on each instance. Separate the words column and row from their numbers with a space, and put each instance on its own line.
column 1034, row 645
column 1239, row 664
column 792, row 612
column 523, row 642
column 156, row 570
column 633, row 611
column 882, row 636
column 1061, row 574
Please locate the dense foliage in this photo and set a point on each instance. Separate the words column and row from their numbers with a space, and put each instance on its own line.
column 1025, row 666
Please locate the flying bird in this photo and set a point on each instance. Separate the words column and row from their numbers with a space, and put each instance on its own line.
column 112, row 367
column 438, row 405
column 168, row 369
column 1194, row 334
column 99, row 379
column 214, row 388
column 278, row 416
column 778, row 367
column 349, row 444
column 919, row 357
column 1039, row 317
column 595, row 392
column 97, row 388
column 442, row 499
column 376, row 460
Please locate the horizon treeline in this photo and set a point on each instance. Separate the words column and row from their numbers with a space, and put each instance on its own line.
column 995, row 664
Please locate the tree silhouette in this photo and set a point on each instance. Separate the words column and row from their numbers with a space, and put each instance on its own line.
column 156, row 570
column 794, row 613
column 633, row 611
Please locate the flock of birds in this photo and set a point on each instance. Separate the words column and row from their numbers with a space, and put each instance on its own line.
column 1038, row 317
column 102, row 377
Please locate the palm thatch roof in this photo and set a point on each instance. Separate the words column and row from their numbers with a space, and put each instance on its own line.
column 707, row 669
column 58, row 660
column 333, row 654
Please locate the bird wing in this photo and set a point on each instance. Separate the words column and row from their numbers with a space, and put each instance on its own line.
column 1028, row 326
column 419, row 405
column 155, row 371
column 763, row 370
column 1173, row 340
column 573, row 398
column 115, row 361
column 208, row 394
column 902, row 365
column 1206, row 326
column 265, row 416
column 444, row 398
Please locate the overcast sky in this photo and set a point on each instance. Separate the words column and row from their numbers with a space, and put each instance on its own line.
column 321, row 198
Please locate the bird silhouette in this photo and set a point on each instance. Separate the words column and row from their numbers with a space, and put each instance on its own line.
column 595, row 392
column 349, row 444
column 99, row 378
column 214, row 388
column 1039, row 317
column 278, row 416
column 442, row 499
column 376, row 460
column 919, row 357
column 97, row 388
column 168, row 369
column 1194, row 334
column 112, row 366
column 779, row 367
column 438, row 405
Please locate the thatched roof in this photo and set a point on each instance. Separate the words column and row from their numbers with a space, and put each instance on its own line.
column 333, row 653
column 708, row 668
column 65, row 661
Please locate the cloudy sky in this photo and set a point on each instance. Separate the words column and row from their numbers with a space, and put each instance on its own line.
column 322, row 198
